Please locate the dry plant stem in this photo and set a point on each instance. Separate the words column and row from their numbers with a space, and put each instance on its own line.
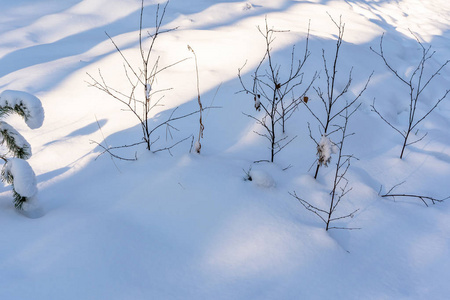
column 416, row 84
column 331, row 101
column 108, row 150
column 273, row 95
column 202, row 127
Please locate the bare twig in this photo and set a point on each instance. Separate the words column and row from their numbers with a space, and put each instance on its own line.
column 108, row 150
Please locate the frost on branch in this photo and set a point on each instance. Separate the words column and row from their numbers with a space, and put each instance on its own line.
column 324, row 150
column 20, row 175
column 24, row 104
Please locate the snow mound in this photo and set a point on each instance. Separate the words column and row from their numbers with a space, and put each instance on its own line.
column 262, row 178
column 29, row 104
column 32, row 208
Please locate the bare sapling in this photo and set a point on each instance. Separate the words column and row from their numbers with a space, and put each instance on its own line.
column 340, row 187
column 142, row 97
column 273, row 91
column 416, row 83
column 333, row 102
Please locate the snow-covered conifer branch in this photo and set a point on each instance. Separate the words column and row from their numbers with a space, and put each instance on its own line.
column 16, row 171
column 20, row 175
column 14, row 141
column 24, row 104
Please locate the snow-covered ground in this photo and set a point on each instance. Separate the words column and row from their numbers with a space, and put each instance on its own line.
column 189, row 226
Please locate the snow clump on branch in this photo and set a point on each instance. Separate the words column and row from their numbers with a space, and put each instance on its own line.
column 22, row 177
column 325, row 149
column 16, row 171
column 25, row 104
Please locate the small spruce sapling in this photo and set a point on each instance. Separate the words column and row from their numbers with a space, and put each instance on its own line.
column 16, row 170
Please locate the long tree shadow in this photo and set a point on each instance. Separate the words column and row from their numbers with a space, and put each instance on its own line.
column 231, row 135
column 27, row 13
column 77, row 44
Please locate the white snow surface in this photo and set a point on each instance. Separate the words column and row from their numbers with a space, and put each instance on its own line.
column 32, row 106
column 262, row 178
column 188, row 226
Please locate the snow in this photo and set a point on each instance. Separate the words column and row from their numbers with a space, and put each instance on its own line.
column 262, row 178
column 197, row 146
column 189, row 226
column 31, row 105
column 325, row 149
column 24, row 177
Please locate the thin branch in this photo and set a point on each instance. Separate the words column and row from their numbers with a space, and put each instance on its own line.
column 172, row 146
column 384, row 119
column 108, row 150
column 423, row 198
